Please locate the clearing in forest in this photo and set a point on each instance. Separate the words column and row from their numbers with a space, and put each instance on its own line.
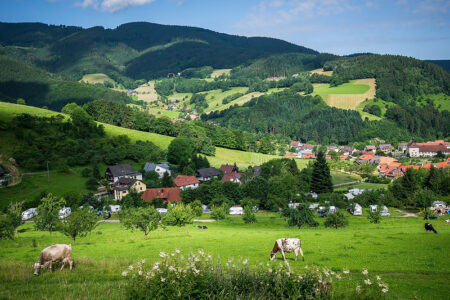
column 96, row 78
column 219, row 72
column 347, row 95
column 146, row 92
column 322, row 72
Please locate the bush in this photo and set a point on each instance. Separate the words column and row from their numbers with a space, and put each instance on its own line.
column 91, row 184
column 248, row 216
column 336, row 220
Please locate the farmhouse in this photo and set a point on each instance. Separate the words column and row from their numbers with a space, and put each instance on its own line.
column 113, row 173
column 167, row 195
column 347, row 150
column 296, row 145
column 158, row 168
column 207, row 174
column 370, row 148
column 186, row 182
column 121, row 187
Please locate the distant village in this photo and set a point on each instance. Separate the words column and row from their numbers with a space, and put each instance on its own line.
column 384, row 156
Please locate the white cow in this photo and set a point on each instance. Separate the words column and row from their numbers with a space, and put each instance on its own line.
column 287, row 245
column 58, row 252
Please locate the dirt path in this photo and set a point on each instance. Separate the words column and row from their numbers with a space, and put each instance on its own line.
column 406, row 214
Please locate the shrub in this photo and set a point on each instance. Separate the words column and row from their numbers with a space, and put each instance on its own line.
column 375, row 216
column 336, row 220
column 248, row 216
column 300, row 216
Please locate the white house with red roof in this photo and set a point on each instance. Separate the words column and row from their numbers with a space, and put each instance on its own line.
column 186, row 182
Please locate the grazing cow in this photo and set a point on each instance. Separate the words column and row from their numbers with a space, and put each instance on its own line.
column 429, row 227
column 202, row 227
column 287, row 245
column 59, row 252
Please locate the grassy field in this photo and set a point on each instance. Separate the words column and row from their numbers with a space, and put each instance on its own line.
column 219, row 72
column 215, row 97
column 322, row 72
column 348, row 95
column 378, row 102
column 162, row 112
column 441, row 101
column 96, row 78
column 146, row 92
column 362, row 185
column 414, row 264
column 339, row 177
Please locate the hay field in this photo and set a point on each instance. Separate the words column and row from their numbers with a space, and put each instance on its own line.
column 146, row 92
column 348, row 95
column 322, row 72
column 219, row 72
column 96, row 78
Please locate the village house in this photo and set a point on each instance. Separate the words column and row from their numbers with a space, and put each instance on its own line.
column 158, row 168
column 370, row 148
column 186, row 182
column 332, row 148
column 166, row 195
column 113, row 173
column 207, row 174
column 228, row 169
column 123, row 185
column 232, row 177
column 386, row 148
column 347, row 150
column 402, row 147
column 296, row 145
column 428, row 149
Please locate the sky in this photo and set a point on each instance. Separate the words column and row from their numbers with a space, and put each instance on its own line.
column 417, row 28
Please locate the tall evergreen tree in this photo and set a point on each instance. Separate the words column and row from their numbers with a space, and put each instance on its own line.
column 321, row 177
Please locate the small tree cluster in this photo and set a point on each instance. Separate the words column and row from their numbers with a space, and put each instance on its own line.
column 300, row 216
column 336, row 220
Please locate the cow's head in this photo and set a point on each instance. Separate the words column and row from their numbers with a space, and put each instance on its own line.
column 274, row 251
column 36, row 267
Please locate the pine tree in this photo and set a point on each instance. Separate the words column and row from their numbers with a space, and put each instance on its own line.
column 321, row 176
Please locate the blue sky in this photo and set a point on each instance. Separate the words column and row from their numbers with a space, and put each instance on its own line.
column 418, row 28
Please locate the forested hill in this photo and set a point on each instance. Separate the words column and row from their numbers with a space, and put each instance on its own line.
column 136, row 50
column 39, row 88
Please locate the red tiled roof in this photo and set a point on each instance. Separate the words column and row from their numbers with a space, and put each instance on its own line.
column 309, row 156
column 430, row 147
column 231, row 177
column 295, row 143
column 226, row 169
column 366, row 156
column 168, row 194
column 183, row 180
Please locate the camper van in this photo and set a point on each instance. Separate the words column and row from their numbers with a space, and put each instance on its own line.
column 236, row 210
column 115, row 208
column 356, row 210
column 28, row 214
column 384, row 210
column 64, row 212
column 162, row 211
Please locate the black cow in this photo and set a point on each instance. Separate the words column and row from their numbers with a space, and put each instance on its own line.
column 429, row 227
column 202, row 227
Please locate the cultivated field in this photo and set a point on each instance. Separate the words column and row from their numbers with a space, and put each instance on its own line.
column 96, row 78
column 415, row 264
column 348, row 95
column 146, row 92
column 219, row 72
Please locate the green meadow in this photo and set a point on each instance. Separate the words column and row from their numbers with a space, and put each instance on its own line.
column 346, row 88
column 414, row 263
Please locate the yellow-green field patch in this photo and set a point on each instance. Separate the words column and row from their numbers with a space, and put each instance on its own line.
column 96, row 78
column 220, row 72
column 322, row 72
column 347, row 95
column 146, row 92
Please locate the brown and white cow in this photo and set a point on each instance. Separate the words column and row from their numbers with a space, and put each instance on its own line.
column 59, row 252
column 287, row 245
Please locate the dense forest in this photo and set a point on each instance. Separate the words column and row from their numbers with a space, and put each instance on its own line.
column 77, row 142
column 39, row 88
column 134, row 50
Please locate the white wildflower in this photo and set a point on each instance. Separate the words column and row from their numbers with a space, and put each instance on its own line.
column 130, row 268
column 163, row 279
column 143, row 261
column 209, row 256
column 171, row 269
column 358, row 288
column 172, row 254
column 385, row 290
column 346, row 271
column 244, row 262
column 140, row 273
column 306, row 267
column 201, row 252
column 196, row 271
column 338, row 277
column 367, row 281
column 124, row 273
column 378, row 278
column 365, row 272
column 177, row 251
column 270, row 270
column 162, row 254
column 155, row 267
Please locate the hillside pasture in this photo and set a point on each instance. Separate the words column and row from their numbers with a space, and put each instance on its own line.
column 412, row 262
column 321, row 72
column 214, row 98
column 96, row 78
column 146, row 92
column 219, row 72
column 378, row 102
column 347, row 95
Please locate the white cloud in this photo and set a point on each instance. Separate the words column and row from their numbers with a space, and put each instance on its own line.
column 111, row 5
